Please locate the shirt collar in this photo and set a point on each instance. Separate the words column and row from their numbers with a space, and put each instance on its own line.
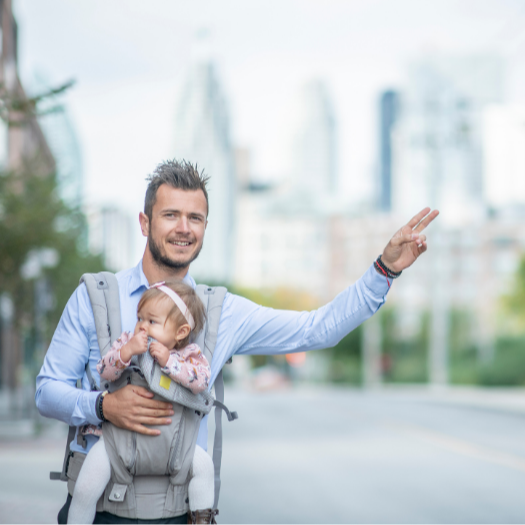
column 138, row 279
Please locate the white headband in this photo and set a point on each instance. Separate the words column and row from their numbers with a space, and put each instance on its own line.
column 177, row 300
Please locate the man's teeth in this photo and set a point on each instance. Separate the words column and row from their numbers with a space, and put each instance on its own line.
column 181, row 243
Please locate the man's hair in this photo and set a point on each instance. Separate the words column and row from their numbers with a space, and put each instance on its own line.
column 191, row 300
column 177, row 174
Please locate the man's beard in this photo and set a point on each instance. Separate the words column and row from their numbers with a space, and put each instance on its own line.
column 164, row 260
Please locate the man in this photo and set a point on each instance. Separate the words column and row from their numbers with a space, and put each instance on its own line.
column 174, row 221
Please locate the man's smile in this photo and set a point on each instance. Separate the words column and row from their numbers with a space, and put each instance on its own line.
column 181, row 243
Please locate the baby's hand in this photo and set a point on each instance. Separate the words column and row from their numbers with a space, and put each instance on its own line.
column 159, row 352
column 138, row 344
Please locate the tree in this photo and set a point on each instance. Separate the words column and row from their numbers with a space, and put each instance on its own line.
column 32, row 217
column 514, row 302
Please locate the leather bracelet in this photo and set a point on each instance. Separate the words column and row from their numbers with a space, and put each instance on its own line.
column 389, row 273
column 98, row 406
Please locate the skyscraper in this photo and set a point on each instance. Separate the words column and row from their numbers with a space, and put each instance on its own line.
column 437, row 155
column 202, row 137
column 111, row 235
column 63, row 141
column 504, row 157
column 389, row 108
column 315, row 147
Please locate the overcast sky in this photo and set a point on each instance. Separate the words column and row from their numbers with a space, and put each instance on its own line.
column 128, row 58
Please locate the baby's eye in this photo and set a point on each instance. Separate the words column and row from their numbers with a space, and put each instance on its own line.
column 152, row 321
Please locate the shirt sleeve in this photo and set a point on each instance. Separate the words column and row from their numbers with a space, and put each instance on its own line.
column 111, row 366
column 189, row 368
column 74, row 345
column 247, row 328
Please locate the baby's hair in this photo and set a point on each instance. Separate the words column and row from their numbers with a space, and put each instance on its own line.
column 191, row 300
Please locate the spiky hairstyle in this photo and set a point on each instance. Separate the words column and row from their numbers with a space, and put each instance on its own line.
column 178, row 174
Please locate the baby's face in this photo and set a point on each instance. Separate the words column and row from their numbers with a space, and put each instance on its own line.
column 151, row 318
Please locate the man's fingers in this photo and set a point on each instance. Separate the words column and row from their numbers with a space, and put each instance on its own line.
column 143, row 392
column 141, row 429
column 407, row 237
column 427, row 220
column 414, row 221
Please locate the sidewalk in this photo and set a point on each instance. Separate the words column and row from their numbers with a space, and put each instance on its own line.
column 20, row 420
column 503, row 399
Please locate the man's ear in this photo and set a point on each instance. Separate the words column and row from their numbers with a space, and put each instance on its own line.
column 183, row 332
column 144, row 224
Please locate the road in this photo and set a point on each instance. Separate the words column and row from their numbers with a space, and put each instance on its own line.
column 331, row 456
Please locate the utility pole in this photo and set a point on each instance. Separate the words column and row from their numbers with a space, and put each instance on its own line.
column 438, row 359
column 371, row 363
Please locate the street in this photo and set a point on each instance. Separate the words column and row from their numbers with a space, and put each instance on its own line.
column 327, row 455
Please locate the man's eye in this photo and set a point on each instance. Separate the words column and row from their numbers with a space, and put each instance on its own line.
column 196, row 219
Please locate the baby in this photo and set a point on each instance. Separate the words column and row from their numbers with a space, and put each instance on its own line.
column 168, row 313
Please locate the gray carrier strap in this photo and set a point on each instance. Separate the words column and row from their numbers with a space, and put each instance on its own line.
column 104, row 296
column 62, row 476
column 217, row 442
column 105, row 300
column 213, row 299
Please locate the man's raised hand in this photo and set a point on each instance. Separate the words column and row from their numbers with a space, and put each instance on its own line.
column 408, row 243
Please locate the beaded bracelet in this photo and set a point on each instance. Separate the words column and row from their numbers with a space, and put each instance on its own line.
column 98, row 406
column 387, row 271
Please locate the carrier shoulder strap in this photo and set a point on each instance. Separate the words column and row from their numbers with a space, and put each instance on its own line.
column 104, row 296
column 213, row 298
column 105, row 301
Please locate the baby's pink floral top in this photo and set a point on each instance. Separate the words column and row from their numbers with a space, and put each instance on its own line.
column 186, row 366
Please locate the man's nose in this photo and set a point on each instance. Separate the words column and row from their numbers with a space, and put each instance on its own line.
column 183, row 225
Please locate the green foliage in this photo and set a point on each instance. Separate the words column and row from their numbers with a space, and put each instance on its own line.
column 464, row 356
column 514, row 303
column 33, row 216
column 508, row 366
column 404, row 360
column 345, row 359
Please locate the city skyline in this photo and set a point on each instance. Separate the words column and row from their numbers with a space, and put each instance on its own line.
column 128, row 76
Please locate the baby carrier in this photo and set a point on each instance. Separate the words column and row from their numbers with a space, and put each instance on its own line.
column 150, row 475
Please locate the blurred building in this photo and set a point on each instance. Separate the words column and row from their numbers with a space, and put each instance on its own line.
column 283, row 238
column 21, row 142
column 202, row 137
column 388, row 115
column 62, row 137
column 437, row 157
column 22, row 139
column 278, row 246
column 314, row 153
column 111, row 234
column 504, row 158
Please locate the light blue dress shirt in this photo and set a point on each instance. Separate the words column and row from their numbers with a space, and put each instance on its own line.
column 245, row 328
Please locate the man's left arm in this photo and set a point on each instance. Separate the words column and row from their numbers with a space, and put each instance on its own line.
column 247, row 328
